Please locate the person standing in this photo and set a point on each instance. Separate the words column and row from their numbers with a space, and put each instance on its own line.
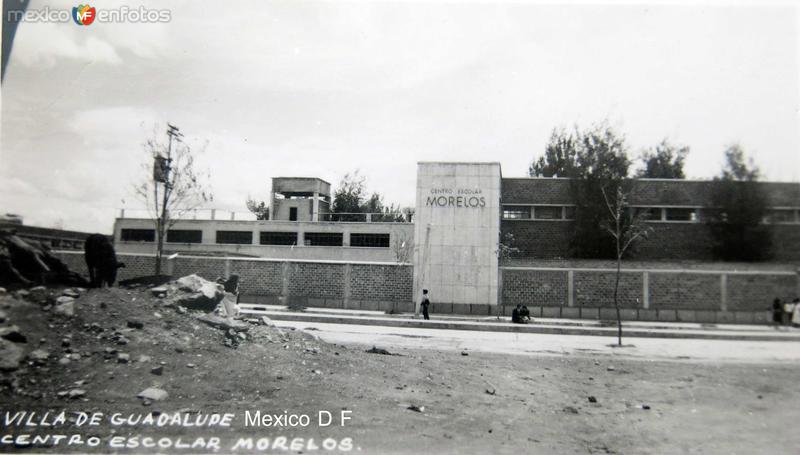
column 424, row 304
column 788, row 312
column 777, row 313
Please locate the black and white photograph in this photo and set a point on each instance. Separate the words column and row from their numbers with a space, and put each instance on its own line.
column 400, row 227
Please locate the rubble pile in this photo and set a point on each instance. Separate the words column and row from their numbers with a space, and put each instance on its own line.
column 24, row 263
column 51, row 336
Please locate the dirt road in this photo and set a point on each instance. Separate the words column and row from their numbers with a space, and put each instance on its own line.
column 475, row 403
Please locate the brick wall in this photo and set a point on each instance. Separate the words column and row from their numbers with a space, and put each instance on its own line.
column 259, row 277
column 322, row 281
column 391, row 283
column 685, row 291
column 756, row 292
column 667, row 289
column 312, row 283
column 208, row 269
column 546, row 288
column 539, row 239
column 596, row 289
column 135, row 266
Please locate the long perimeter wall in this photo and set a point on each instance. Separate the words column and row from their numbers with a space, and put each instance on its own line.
column 710, row 292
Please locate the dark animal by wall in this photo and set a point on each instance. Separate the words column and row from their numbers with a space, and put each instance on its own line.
column 101, row 260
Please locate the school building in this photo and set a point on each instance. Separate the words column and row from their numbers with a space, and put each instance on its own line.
column 462, row 211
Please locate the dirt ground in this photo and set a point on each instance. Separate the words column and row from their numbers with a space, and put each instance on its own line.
column 474, row 403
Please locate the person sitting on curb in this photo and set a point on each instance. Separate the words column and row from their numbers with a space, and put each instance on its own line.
column 525, row 315
column 516, row 318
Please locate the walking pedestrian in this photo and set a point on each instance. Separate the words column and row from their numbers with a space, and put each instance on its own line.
column 777, row 313
column 425, row 303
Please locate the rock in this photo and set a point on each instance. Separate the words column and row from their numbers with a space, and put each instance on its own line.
column 37, row 294
column 464, row 353
column 224, row 323
column 646, row 407
column 76, row 393
column 592, row 399
column 10, row 355
column 570, row 410
column 159, row 291
column 22, row 294
column 3, row 291
column 39, row 355
column 64, row 299
column 158, row 371
column 135, row 324
column 416, row 408
column 490, row 389
column 71, row 293
column 376, row 350
column 122, row 341
column 198, row 293
column 13, row 334
column 190, row 365
column 123, row 357
column 64, row 361
column 144, row 358
column 610, row 368
column 65, row 309
column 267, row 321
column 3, row 316
column 242, row 336
column 153, row 394
column 181, row 310
column 65, row 342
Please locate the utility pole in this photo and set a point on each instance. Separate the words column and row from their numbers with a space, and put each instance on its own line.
column 163, row 175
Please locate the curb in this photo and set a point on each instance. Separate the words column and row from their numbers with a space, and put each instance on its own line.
column 518, row 328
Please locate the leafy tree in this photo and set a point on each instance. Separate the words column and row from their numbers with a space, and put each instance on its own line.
column 350, row 201
column 173, row 188
column 739, row 207
column 258, row 208
column 559, row 157
column 665, row 161
column 348, row 198
column 601, row 162
column 626, row 232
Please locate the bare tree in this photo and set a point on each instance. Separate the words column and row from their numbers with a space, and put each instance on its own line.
column 175, row 186
column 402, row 247
column 627, row 229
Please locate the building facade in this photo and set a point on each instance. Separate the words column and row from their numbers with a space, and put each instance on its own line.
column 463, row 210
column 539, row 213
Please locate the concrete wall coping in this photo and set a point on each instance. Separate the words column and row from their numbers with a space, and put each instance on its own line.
column 687, row 271
column 240, row 258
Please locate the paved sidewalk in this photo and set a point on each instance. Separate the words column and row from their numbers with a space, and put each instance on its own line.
column 638, row 329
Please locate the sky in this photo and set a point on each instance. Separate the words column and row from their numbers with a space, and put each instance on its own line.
column 322, row 88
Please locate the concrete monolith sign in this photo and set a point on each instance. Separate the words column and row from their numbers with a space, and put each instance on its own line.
column 457, row 230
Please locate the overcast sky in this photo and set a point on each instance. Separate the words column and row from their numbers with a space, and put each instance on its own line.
column 294, row 88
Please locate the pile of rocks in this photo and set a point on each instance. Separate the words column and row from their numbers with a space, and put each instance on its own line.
column 24, row 263
column 194, row 292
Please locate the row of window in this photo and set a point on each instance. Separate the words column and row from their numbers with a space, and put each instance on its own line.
column 679, row 214
column 538, row 212
column 265, row 238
